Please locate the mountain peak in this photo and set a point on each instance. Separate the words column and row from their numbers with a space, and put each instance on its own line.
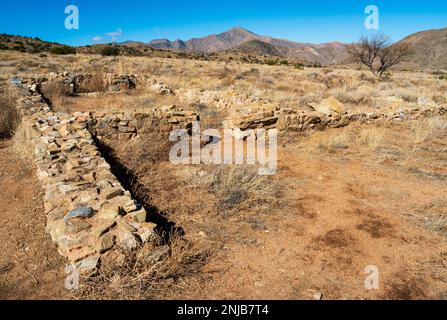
column 240, row 29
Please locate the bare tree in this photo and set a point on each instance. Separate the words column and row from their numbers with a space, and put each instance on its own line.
column 378, row 53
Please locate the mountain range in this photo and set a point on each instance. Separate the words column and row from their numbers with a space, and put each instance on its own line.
column 240, row 39
column 428, row 48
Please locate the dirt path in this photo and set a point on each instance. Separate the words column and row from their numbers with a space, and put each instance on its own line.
column 30, row 267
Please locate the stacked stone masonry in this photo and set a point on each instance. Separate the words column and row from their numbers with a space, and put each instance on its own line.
column 320, row 116
column 88, row 211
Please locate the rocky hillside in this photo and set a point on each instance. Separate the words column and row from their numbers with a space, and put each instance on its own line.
column 32, row 45
column 428, row 49
column 258, row 47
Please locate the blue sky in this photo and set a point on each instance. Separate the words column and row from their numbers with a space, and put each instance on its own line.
column 312, row 21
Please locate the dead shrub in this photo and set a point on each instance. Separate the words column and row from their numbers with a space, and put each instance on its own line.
column 323, row 143
column 9, row 115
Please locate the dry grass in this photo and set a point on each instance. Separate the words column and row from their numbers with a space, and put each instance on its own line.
column 95, row 83
column 23, row 146
column 58, row 94
column 372, row 137
column 9, row 115
column 425, row 129
column 323, row 143
column 154, row 272
column 149, row 148
column 241, row 188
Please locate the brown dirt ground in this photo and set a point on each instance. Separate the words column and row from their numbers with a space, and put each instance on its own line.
column 343, row 211
column 30, row 267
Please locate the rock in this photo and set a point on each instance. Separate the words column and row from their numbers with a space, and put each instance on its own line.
column 69, row 242
column 123, row 225
column 147, row 232
column 88, row 265
column 77, row 255
column 106, row 242
column 424, row 101
column 109, row 211
column 139, row 216
column 103, row 227
column 127, row 240
column 318, row 296
column 112, row 193
column 329, row 106
column 130, row 206
column 77, row 226
column 80, row 212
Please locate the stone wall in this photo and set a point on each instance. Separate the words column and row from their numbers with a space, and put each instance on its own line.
column 126, row 126
column 89, row 83
column 88, row 210
column 327, row 114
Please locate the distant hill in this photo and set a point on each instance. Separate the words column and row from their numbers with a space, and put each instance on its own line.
column 429, row 49
column 32, row 45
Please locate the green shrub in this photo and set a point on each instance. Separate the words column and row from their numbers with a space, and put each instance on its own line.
column 63, row 50
column 110, row 51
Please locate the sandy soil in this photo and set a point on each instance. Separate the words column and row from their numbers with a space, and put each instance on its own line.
column 30, row 267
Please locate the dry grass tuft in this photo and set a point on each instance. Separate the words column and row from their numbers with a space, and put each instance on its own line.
column 95, row 83
column 58, row 95
column 372, row 137
column 9, row 115
column 427, row 128
column 330, row 143
column 154, row 272
column 238, row 188
column 150, row 147
column 23, row 146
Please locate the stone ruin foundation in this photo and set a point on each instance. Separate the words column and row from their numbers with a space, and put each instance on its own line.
column 88, row 210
